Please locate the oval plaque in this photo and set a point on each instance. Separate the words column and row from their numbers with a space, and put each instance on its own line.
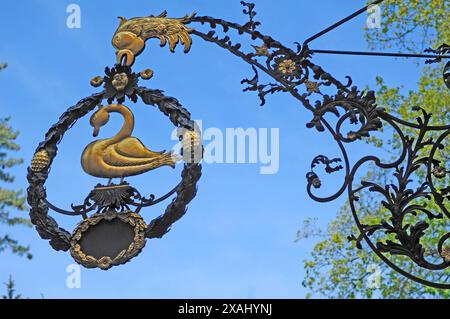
column 108, row 239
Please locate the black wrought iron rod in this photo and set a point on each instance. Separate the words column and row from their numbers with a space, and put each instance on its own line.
column 341, row 22
column 383, row 54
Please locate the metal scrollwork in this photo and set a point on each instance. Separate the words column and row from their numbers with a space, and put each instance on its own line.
column 415, row 206
column 293, row 71
column 414, row 201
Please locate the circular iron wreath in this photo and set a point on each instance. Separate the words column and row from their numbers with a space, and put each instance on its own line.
column 47, row 227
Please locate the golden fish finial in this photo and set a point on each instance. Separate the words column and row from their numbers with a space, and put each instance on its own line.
column 129, row 38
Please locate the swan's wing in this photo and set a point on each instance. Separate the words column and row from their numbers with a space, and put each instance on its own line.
column 133, row 147
column 115, row 159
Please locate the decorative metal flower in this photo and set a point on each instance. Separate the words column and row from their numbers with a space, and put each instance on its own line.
column 105, row 262
column 312, row 87
column 287, row 68
column 352, row 136
column 439, row 172
column 120, row 82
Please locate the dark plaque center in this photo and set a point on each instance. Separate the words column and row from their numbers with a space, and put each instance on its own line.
column 107, row 238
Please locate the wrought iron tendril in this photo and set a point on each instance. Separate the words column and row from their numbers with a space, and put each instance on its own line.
column 351, row 104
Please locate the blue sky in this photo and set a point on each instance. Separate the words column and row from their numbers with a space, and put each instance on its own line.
column 237, row 239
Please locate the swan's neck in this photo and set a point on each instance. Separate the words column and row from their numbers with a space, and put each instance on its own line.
column 128, row 125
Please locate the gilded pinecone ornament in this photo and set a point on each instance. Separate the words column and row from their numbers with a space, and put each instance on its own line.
column 191, row 139
column 41, row 161
column 192, row 146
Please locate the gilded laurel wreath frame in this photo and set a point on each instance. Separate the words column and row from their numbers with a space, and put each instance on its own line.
column 105, row 262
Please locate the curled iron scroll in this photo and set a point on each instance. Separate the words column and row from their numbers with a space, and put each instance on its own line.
column 293, row 71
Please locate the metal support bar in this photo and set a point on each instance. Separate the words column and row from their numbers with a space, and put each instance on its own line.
column 337, row 24
column 383, row 54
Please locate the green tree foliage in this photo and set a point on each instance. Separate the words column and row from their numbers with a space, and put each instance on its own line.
column 411, row 25
column 11, row 290
column 336, row 268
column 10, row 199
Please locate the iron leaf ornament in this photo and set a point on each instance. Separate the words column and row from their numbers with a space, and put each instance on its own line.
column 416, row 199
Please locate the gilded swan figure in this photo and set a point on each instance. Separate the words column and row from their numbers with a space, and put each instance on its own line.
column 121, row 155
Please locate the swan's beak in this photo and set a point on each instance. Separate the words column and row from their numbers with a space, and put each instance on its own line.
column 96, row 131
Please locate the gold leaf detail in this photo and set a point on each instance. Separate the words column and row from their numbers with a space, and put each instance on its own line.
column 97, row 81
column 147, row 74
column 129, row 38
column 262, row 50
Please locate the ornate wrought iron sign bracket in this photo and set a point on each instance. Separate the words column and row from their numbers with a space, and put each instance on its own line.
column 293, row 71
